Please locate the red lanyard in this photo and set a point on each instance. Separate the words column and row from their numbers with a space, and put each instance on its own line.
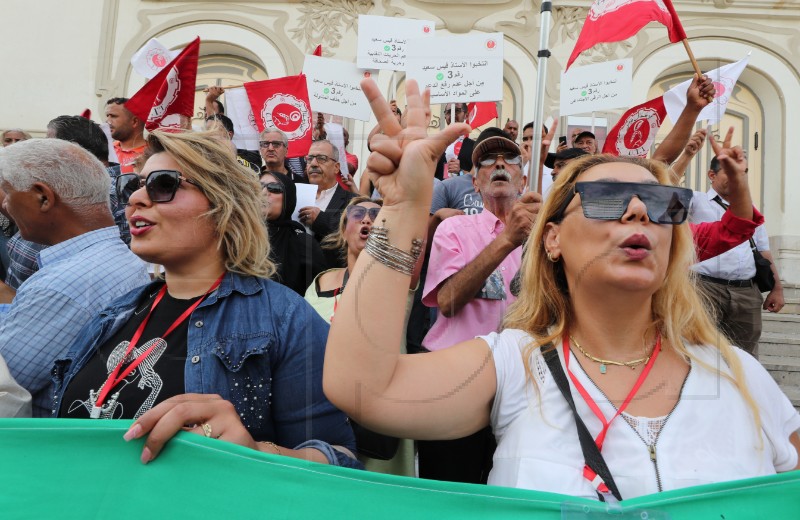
column 115, row 377
column 588, row 473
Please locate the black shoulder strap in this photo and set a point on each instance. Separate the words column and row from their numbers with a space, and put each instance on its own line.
column 591, row 454
column 718, row 200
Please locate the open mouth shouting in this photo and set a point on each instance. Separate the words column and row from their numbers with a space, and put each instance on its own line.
column 636, row 247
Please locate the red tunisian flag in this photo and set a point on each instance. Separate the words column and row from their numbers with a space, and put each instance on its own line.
column 637, row 128
column 170, row 94
column 481, row 113
column 616, row 20
column 283, row 104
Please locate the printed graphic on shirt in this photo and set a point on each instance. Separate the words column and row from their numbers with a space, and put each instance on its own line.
column 494, row 287
column 472, row 204
column 143, row 377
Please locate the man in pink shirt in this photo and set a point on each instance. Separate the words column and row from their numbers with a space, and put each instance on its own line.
column 473, row 260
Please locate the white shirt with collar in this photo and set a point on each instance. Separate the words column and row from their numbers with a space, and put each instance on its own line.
column 736, row 264
column 324, row 198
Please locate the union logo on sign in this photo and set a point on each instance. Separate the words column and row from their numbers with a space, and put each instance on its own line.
column 288, row 114
column 724, row 88
column 166, row 96
column 491, row 44
column 603, row 7
column 156, row 59
column 636, row 136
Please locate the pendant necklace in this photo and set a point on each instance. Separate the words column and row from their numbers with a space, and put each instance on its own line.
column 605, row 362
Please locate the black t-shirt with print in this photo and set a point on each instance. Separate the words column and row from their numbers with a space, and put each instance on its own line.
column 159, row 377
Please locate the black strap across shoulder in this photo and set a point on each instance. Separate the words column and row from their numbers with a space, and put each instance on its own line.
column 591, row 454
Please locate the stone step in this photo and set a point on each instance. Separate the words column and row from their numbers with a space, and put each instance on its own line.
column 792, row 306
column 785, row 370
column 777, row 344
column 793, row 393
column 781, row 322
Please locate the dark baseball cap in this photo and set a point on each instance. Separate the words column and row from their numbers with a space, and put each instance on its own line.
column 585, row 133
column 566, row 153
column 493, row 139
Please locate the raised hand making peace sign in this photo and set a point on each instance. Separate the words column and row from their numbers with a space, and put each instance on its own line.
column 403, row 160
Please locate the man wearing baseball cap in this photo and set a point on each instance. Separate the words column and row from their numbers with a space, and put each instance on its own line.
column 473, row 260
column 586, row 141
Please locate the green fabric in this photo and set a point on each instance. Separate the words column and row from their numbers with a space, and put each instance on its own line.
column 63, row 468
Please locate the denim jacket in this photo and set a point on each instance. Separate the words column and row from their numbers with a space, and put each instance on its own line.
column 258, row 345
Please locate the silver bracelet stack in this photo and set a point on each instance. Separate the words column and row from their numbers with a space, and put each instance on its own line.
column 380, row 249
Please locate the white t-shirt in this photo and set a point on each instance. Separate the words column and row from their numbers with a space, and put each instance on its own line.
column 708, row 437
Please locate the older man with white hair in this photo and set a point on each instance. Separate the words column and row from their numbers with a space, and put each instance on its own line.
column 57, row 193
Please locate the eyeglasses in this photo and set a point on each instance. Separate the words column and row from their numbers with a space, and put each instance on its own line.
column 267, row 144
column 321, row 159
column 273, row 187
column 358, row 212
column 609, row 200
column 508, row 157
column 161, row 185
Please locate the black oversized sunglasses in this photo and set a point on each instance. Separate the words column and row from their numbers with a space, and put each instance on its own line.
column 273, row 187
column 603, row 200
column 161, row 185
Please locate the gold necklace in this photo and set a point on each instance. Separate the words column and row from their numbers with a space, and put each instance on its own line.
column 603, row 362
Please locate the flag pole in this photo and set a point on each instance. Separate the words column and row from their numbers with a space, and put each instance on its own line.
column 543, row 55
column 691, row 56
column 694, row 62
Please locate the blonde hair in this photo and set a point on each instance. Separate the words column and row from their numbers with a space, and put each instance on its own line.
column 232, row 191
column 679, row 312
column 336, row 241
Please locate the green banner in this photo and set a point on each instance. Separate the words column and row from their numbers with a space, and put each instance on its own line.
column 63, row 468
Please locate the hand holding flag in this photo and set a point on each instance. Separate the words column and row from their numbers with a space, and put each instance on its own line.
column 723, row 81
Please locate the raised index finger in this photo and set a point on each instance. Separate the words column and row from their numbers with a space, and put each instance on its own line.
column 380, row 107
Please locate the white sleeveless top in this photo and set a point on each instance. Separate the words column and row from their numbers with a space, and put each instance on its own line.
column 708, row 437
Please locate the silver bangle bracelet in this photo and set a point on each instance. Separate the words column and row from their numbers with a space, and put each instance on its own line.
column 380, row 249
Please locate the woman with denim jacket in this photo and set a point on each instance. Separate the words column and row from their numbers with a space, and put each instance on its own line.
column 215, row 348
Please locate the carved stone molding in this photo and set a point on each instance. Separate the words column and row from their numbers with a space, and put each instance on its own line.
column 461, row 16
column 607, row 51
column 720, row 4
column 567, row 23
column 325, row 22
column 390, row 9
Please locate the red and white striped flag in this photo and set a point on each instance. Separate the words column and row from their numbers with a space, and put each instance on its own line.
column 636, row 130
column 616, row 20
column 283, row 104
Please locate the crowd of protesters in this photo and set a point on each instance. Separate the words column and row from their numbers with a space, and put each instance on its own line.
column 175, row 280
